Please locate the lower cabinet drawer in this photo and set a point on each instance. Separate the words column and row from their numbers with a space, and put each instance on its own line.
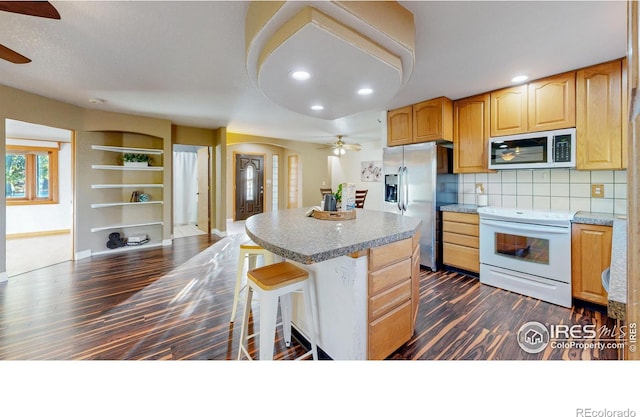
column 389, row 276
column 388, row 299
column 461, row 257
column 463, row 240
column 389, row 332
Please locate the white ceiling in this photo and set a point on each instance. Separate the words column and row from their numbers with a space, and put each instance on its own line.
column 185, row 61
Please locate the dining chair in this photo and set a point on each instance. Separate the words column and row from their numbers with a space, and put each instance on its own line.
column 361, row 195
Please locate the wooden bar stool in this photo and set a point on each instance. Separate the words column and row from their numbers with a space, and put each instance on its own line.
column 250, row 250
column 272, row 283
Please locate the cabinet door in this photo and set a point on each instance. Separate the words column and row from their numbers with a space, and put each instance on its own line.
column 432, row 120
column 599, row 117
column 509, row 111
column 400, row 126
column 471, row 134
column 552, row 103
column 590, row 255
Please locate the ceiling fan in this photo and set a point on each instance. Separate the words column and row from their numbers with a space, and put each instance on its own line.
column 31, row 8
column 340, row 147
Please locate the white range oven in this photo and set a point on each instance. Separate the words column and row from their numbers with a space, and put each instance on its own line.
column 527, row 252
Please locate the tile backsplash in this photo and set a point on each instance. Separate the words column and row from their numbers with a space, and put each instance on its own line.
column 548, row 189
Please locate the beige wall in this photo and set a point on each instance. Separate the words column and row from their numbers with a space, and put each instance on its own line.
column 313, row 164
column 27, row 107
column 88, row 124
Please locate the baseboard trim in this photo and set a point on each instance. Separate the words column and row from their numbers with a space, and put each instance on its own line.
column 219, row 233
column 167, row 242
column 83, row 254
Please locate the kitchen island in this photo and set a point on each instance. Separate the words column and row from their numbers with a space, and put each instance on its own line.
column 365, row 271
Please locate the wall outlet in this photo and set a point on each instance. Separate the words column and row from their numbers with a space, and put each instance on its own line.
column 597, row 190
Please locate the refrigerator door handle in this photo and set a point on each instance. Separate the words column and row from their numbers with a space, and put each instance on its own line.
column 400, row 185
column 405, row 184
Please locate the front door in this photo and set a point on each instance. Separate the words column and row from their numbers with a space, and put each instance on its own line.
column 249, row 185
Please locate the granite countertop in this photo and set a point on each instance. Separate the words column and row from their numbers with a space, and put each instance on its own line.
column 460, row 208
column 294, row 236
column 617, row 304
column 588, row 217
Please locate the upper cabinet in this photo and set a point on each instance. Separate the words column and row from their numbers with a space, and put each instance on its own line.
column 509, row 111
column 601, row 108
column 545, row 104
column 471, row 134
column 400, row 126
column 433, row 120
column 427, row 121
column 552, row 103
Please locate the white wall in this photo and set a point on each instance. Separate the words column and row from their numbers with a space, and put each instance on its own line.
column 347, row 169
column 548, row 189
column 43, row 217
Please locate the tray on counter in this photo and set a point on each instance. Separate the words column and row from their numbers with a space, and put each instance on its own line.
column 334, row 215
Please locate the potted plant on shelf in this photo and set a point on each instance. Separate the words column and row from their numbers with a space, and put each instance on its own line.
column 136, row 160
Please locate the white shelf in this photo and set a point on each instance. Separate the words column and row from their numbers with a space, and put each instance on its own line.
column 123, row 149
column 99, row 205
column 124, row 168
column 127, row 186
column 128, row 248
column 124, row 226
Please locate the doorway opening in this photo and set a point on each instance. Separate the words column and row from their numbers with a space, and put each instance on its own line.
column 191, row 190
column 39, row 196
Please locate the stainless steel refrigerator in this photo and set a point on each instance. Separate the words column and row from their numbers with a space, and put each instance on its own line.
column 416, row 185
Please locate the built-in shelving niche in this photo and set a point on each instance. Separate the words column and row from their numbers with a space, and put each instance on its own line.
column 112, row 186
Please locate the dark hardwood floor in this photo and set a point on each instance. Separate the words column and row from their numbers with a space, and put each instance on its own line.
column 175, row 302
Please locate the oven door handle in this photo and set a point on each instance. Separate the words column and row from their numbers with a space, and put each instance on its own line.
column 531, row 228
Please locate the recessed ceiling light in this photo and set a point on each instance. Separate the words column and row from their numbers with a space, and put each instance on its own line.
column 96, row 100
column 300, row 75
column 317, row 107
column 365, row 91
column 519, row 78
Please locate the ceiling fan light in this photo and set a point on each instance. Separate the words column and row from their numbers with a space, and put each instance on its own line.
column 336, row 151
column 342, row 151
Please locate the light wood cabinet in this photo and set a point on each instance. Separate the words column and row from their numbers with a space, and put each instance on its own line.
column 590, row 255
column 509, row 111
column 601, row 138
column 545, row 104
column 433, row 120
column 400, row 126
column 426, row 121
column 460, row 237
column 552, row 103
column 471, row 134
column 393, row 296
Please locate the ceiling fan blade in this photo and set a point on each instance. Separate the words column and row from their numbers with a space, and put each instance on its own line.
column 31, row 8
column 12, row 56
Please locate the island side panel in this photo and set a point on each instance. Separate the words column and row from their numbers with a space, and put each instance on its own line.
column 341, row 291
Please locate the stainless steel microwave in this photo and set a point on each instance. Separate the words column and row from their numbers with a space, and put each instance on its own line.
column 550, row 149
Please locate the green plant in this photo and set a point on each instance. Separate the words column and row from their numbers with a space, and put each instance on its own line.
column 136, row 157
column 338, row 194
